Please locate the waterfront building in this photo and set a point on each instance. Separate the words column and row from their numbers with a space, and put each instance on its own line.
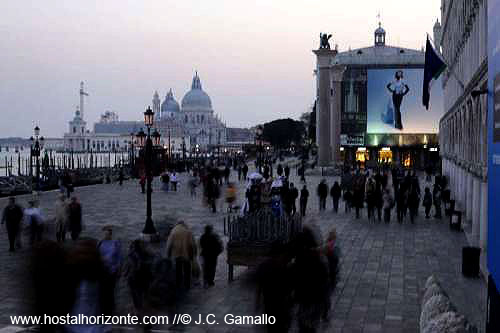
column 353, row 101
column 463, row 128
column 193, row 123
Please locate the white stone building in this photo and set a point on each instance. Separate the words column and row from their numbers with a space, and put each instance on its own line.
column 195, row 119
column 462, row 129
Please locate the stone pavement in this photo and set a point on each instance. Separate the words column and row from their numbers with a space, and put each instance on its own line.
column 383, row 267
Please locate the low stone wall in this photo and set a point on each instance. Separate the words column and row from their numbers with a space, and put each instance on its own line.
column 438, row 313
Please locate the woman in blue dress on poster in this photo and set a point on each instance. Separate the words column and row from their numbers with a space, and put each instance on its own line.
column 398, row 89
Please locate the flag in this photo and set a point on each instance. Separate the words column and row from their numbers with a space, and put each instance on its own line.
column 434, row 66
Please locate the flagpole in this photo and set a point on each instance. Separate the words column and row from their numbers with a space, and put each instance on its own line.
column 452, row 72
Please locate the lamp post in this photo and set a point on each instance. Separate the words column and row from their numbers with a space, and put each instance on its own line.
column 36, row 147
column 145, row 141
column 132, row 153
column 258, row 137
column 184, row 152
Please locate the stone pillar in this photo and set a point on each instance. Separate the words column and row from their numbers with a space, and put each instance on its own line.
column 323, row 59
column 483, row 224
column 463, row 190
column 476, row 210
column 336, row 75
column 470, row 197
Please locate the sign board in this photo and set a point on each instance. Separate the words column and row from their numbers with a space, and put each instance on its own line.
column 352, row 139
column 494, row 140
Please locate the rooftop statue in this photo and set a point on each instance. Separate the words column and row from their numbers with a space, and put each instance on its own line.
column 324, row 44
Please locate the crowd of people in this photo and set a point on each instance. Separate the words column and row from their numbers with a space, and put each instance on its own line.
column 68, row 219
column 381, row 192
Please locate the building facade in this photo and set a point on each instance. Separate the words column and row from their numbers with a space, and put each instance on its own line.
column 194, row 123
column 463, row 128
column 343, row 109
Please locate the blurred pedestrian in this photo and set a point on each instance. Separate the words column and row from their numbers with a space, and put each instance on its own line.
column 12, row 217
column 110, row 251
column 427, row 202
column 61, row 217
column 293, row 195
column 348, row 200
column 138, row 271
column 304, row 196
column 75, row 218
column 336, row 193
column 35, row 221
column 211, row 246
column 388, row 205
column 322, row 194
column 181, row 249
column 437, row 200
column 174, row 181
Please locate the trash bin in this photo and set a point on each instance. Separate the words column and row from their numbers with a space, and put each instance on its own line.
column 449, row 207
column 470, row 261
column 456, row 220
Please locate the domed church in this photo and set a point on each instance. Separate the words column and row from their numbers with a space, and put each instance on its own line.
column 195, row 118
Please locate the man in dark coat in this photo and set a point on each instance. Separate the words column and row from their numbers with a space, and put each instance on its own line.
column 211, row 246
column 245, row 171
column 322, row 194
column 287, row 171
column 336, row 193
column 279, row 170
column 293, row 194
column 12, row 216
column 75, row 218
column 304, row 195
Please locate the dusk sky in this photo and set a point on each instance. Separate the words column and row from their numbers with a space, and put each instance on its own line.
column 254, row 57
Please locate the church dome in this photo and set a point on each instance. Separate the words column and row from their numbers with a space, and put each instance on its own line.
column 169, row 104
column 196, row 98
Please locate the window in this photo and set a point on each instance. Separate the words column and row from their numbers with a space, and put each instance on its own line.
column 74, row 129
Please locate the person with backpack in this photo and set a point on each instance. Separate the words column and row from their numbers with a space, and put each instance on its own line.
column 427, row 202
column 12, row 217
column 211, row 247
column 110, row 251
column 336, row 193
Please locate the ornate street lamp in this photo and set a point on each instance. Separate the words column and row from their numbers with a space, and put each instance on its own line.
column 36, row 147
column 132, row 154
column 146, row 142
column 258, row 137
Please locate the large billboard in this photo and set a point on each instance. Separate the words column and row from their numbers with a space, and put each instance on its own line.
column 394, row 102
column 494, row 140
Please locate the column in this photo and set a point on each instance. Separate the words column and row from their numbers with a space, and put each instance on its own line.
column 476, row 209
column 323, row 57
column 483, row 224
column 335, row 113
column 470, row 197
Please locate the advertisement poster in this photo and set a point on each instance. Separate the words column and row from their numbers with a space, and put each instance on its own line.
column 394, row 102
column 494, row 140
